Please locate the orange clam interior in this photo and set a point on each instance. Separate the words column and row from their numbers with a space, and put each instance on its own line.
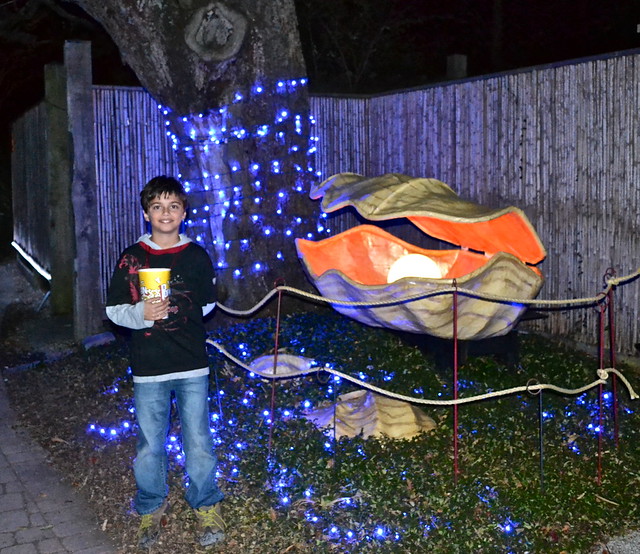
column 509, row 232
column 365, row 254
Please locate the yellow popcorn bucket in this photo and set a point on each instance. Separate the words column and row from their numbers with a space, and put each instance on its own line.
column 154, row 282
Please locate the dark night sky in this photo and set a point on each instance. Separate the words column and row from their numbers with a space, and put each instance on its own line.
column 496, row 35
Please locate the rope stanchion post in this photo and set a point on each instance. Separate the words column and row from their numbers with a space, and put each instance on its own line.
column 456, row 469
column 336, row 459
column 611, row 273
column 541, row 439
column 540, row 429
column 276, row 347
column 602, row 307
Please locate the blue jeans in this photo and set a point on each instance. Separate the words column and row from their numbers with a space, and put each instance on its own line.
column 153, row 411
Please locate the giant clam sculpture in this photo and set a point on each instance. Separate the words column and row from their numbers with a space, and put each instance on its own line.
column 499, row 251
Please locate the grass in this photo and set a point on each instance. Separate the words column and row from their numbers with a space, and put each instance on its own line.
column 532, row 477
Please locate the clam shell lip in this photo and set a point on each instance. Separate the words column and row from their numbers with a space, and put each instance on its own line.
column 286, row 365
column 435, row 209
column 394, row 305
column 367, row 253
column 368, row 414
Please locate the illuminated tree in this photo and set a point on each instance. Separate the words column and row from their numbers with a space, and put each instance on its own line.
column 230, row 78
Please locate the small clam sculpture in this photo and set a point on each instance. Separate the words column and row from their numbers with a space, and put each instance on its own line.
column 285, row 365
column 368, row 265
column 370, row 414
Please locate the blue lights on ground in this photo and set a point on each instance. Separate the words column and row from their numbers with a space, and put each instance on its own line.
column 288, row 485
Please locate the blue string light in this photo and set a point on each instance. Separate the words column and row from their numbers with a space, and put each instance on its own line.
column 288, row 489
column 217, row 193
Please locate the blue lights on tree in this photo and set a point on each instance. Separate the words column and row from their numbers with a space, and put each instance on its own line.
column 248, row 168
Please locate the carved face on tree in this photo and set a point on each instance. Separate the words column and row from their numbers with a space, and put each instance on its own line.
column 216, row 32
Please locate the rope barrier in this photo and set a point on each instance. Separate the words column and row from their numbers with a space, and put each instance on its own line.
column 532, row 388
column 594, row 300
column 603, row 375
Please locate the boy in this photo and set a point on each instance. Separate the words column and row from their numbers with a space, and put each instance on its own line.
column 168, row 354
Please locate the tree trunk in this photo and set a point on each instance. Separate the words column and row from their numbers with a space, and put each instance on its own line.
column 230, row 79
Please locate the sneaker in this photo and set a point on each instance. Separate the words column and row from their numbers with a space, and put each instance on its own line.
column 211, row 526
column 150, row 525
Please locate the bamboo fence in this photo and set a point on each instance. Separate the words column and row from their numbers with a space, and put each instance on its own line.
column 557, row 141
column 560, row 142
column 30, row 203
column 131, row 148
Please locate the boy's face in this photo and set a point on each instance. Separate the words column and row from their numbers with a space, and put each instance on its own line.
column 165, row 214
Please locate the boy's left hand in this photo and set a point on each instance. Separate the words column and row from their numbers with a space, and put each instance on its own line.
column 156, row 309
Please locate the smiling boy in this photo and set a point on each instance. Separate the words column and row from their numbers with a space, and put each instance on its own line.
column 168, row 355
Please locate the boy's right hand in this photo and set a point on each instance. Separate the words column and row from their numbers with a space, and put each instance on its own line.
column 156, row 309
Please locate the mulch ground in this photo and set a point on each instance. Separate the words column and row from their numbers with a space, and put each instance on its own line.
column 57, row 401
column 58, row 389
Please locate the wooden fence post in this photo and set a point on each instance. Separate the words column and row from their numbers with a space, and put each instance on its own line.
column 87, row 310
column 61, row 233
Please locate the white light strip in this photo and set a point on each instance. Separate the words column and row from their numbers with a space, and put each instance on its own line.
column 31, row 261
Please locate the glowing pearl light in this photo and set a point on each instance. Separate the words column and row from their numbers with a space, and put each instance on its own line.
column 414, row 265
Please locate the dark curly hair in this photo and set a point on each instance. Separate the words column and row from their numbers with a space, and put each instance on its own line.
column 162, row 186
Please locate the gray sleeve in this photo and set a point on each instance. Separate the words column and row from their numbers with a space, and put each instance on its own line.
column 208, row 308
column 129, row 315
